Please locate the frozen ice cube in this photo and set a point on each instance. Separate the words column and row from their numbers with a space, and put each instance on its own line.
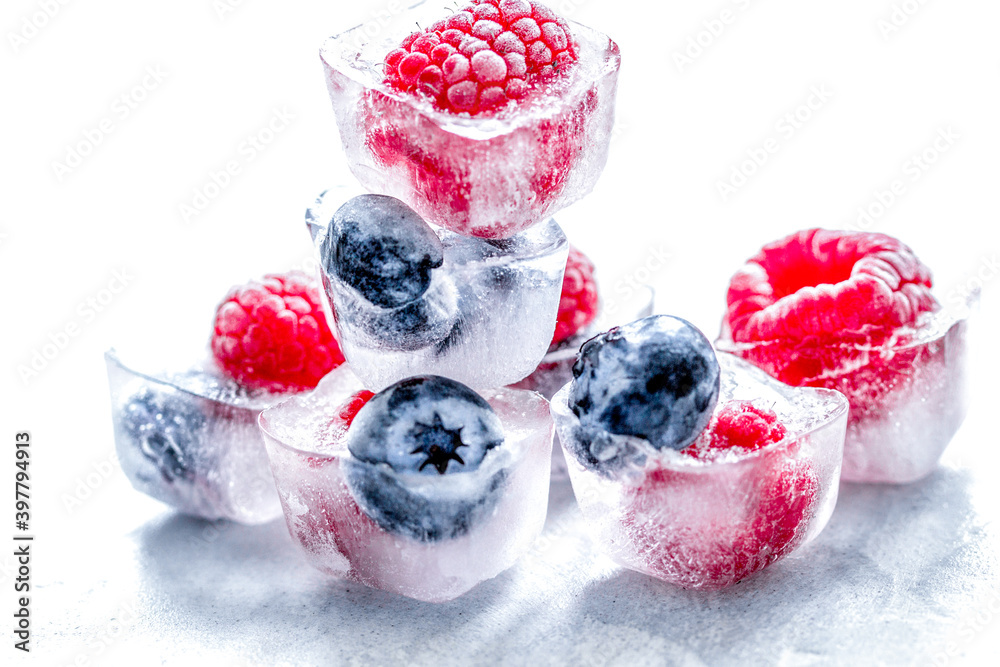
column 190, row 440
column 556, row 367
column 907, row 392
column 712, row 523
column 484, row 310
column 482, row 176
column 495, row 511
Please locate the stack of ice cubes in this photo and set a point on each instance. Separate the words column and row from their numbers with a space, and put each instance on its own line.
column 453, row 271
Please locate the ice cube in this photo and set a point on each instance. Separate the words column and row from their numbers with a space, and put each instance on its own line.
column 190, row 439
column 492, row 176
column 486, row 313
column 710, row 524
column 907, row 393
column 313, row 470
column 556, row 367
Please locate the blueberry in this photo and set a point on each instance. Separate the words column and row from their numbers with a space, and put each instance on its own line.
column 383, row 249
column 165, row 428
column 422, row 513
column 417, row 325
column 415, row 446
column 656, row 379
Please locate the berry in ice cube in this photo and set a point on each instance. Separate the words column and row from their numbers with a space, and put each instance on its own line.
column 424, row 489
column 757, row 483
column 190, row 440
column 475, row 135
column 853, row 311
column 481, row 312
column 429, row 426
column 656, row 379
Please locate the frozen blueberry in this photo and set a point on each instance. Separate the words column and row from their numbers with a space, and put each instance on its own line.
column 415, row 445
column 165, row 428
column 424, row 512
column 656, row 379
column 382, row 248
column 426, row 424
column 419, row 324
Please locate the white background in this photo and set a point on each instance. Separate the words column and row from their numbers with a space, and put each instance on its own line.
column 225, row 68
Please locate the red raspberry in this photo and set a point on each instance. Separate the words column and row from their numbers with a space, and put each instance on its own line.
column 349, row 410
column 820, row 283
column 814, row 309
column 483, row 56
column 738, row 424
column 578, row 302
column 340, row 424
column 674, row 518
column 273, row 334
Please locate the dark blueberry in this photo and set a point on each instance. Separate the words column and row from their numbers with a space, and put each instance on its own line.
column 382, row 248
column 607, row 454
column 656, row 378
column 164, row 427
column 426, row 424
column 419, row 324
column 423, row 513
column 419, row 427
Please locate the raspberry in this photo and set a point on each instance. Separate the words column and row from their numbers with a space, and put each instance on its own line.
column 273, row 334
column 815, row 308
column 702, row 544
column 349, row 410
column 818, row 282
column 489, row 54
column 340, row 423
column 578, row 302
column 738, row 425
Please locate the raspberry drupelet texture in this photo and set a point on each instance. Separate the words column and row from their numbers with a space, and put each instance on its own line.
column 578, row 302
column 482, row 56
column 738, row 425
column 272, row 334
column 819, row 283
column 815, row 309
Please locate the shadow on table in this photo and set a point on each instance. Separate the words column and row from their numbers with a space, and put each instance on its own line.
column 891, row 561
column 252, row 587
column 881, row 581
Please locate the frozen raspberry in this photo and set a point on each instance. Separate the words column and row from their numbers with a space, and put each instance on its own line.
column 820, row 283
column 349, row 410
column 340, row 424
column 815, row 308
column 578, row 302
column 272, row 334
column 483, row 56
column 699, row 547
column 738, row 425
